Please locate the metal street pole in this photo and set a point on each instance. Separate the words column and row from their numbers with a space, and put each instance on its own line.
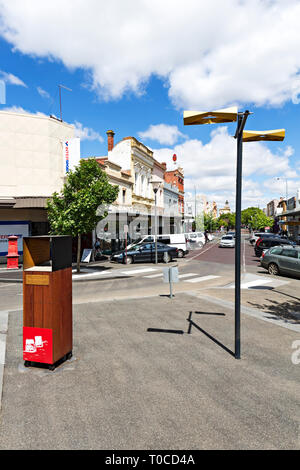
column 155, row 216
column 231, row 115
column 237, row 325
column 60, row 108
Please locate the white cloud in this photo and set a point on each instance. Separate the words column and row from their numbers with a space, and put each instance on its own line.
column 20, row 110
column 209, row 54
column 12, row 79
column 211, row 167
column 43, row 93
column 86, row 133
column 162, row 133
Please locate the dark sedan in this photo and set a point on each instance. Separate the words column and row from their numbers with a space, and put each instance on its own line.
column 146, row 253
column 267, row 243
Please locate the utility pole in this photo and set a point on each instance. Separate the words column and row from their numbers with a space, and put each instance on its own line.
column 60, row 108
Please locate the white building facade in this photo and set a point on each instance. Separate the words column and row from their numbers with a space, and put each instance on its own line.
column 35, row 151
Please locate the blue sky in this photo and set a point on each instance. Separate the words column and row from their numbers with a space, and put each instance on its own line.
column 136, row 73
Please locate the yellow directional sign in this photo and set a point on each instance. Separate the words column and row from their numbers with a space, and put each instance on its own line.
column 253, row 136
column 210, row 117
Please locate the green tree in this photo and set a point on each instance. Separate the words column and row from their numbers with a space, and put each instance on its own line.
column 256, row 218
column 205, row 222
column 73, row 211
column 226, row 220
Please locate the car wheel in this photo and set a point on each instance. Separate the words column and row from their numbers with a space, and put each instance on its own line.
column 200, row 244
column 128, row 260
column 273, row 269
column 180, row 254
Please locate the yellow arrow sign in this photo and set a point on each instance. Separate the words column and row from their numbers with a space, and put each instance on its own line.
column 253, row 136
column 210, row 117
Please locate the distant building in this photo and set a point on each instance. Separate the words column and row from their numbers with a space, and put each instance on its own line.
column 35, row 154
column 176, row 177
column 290, row 217
column 225, row 209
column 271, row 207
column 130, row 164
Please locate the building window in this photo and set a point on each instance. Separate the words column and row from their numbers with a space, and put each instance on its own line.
column 124, row 196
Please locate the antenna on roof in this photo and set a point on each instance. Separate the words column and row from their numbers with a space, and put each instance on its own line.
column 66, row 88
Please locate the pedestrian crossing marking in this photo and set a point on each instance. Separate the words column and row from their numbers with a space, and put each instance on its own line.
column 152, row 276
column 181, row 276
column 246, row 285
column 202, row 278
column 138, row 271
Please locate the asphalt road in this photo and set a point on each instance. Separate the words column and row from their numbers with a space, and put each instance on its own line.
column 210, row 269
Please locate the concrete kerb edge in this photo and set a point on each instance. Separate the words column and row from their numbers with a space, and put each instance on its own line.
column 3, row 336
column 260, row 315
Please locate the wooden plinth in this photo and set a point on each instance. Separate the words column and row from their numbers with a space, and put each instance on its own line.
column 47, row 303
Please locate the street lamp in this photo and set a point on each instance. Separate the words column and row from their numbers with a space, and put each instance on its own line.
column 155, row 185
column 223, row 116
column 286, row 185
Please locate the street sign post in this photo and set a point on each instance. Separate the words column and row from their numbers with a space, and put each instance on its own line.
column 170, row 275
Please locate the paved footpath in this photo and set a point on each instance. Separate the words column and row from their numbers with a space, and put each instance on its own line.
column 140, row 380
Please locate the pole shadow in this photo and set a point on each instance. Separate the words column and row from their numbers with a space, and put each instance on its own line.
column 160, row 330
column 192, row 323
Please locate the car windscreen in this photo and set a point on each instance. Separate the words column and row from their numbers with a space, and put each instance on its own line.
column 227, row 238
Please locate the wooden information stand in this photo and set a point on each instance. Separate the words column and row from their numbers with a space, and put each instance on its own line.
column 47, row 300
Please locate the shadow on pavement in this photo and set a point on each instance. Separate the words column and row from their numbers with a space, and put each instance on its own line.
column 289, row 310
column 191, row 323
column 160, row 330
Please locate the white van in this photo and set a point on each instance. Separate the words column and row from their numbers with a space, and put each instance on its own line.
column 197, row 239
column 177, row 240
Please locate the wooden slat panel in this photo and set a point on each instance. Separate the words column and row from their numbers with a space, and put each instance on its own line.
column 62, row 312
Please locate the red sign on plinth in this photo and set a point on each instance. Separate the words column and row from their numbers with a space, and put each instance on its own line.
column 37, row 345
column 12, row 255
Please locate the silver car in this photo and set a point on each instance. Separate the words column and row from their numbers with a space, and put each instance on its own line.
column 282, row 260
column 227, row 241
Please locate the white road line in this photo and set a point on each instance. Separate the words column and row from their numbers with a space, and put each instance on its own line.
column 83, row 276
column 201, row 253
column 246, row 285
column 138, row 271
column 181, row 276
column 244, row 259
column 202, row 278
column 154, row 275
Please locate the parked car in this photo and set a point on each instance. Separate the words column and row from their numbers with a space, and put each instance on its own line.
column 227, row 241
column 196, row 239
column 282, row 260
column 145, row 252
column 175, row 240
column 268, row 242
column 232, row 234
